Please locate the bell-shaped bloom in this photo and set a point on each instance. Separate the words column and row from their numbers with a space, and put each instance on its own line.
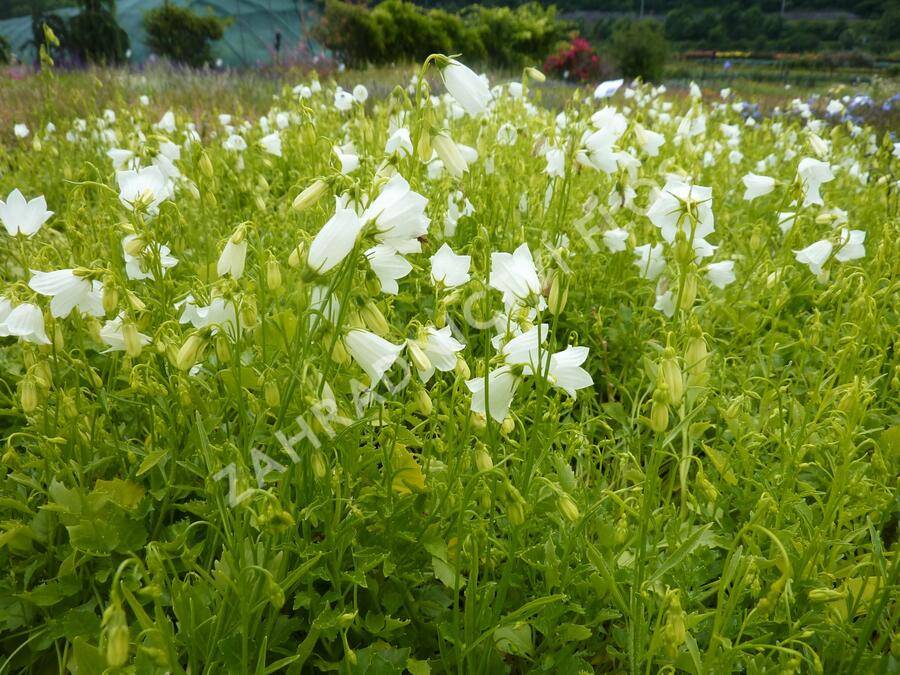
column 166, row 122
column 235, row 143
column 374, row 354
column 720, row 274
column 323, row 303
column 670, row 210
column 449, row 154
column 399, row 217
column 815, row 255
column 457, row 207
column 501, row 387
column 335, row 240
column 23, row 217
column 439, row 348
column 448, row 268
column 615, row 239
column 142, row 266
column 598, row 151
column 271, row 143
column 348, row 158
column 217, row 315
column 514, row 275
column 757, row 186
column 388, row 266
column 565, row 371
column 850, row 245
column 113, row 336
column 68, row 290
column 813, row 173
column 343, row 100
column 469, row 90
column 786, row 220
column 147, row 187
column 650, row 261
column 525, row 349
column 665, row 302
column 233, row 258
column 507, row 134
column 360, row 93
column 21, row 130
column 27, row 322
column 121, row 158
column 399, row 143
column 607, row 89
column 556, row 163
column 650, row 141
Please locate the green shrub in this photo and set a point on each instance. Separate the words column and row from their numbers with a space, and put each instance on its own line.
column 5, row 50
column 639, row 49
column 95, row 36
column 461, row 38
column 517, row 37
column 398, row 31
column 351, row 33
column 409, row 34
column 182, row 35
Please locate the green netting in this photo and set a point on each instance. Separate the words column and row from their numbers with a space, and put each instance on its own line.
column 248, row 41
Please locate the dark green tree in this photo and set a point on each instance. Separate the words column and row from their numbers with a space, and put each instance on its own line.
column 639, row 49
column 182, row 35
column 95, row 36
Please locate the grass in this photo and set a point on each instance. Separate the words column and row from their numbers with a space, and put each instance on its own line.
column 241, row 494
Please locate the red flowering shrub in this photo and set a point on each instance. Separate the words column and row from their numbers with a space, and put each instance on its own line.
column 576, row 61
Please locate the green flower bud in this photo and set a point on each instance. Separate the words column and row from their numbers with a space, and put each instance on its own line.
column 273, row 274
column 206, row 165
column 374, row 319
column 271, row 394
column 310, row 196
column 568, row 508
column 132, row 339
column 191, row 351
column 659, row 410
column 29, row 394
column 483, row 461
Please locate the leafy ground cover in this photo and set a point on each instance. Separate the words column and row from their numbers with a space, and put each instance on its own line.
column 387, row 379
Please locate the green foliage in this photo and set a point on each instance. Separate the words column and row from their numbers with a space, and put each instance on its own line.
column 397, row 31
column 639, row 49
column 95, row 36
column 515, row 37
column 5, row 50
column 351, row 32
column 182, row 35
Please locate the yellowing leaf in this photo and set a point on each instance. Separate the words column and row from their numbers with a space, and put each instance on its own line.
column 123, row 493
column 408, row 476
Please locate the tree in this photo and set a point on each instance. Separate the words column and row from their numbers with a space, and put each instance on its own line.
column 94, row 34
column 183, row 35
column 639, row 48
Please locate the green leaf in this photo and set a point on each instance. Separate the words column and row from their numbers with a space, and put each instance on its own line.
column 515, row 639
column 447, row 575
column 416, row 667
column 572, row 632
column 151, row 460
column 120, row 492
column 86, row 659
column 680, row 553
